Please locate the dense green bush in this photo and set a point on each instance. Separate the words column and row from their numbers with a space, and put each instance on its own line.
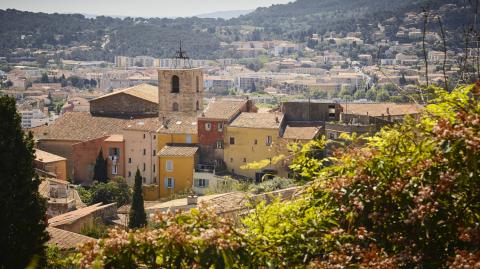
column 116, row 191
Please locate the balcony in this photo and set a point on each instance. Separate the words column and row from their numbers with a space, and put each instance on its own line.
column 205, row 168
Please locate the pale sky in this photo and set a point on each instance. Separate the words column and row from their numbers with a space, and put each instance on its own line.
column 137, row 8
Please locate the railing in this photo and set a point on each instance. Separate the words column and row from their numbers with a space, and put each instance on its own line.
column 206, row 168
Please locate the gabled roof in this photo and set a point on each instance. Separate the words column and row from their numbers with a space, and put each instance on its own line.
column 178, row 123
column 46, row 157
column 223, row 109
column 258, row 120
column 80, row 126
column 143, row 91
column 302, row 131
column 73, row 216
column 66, row 240
column 178, row 151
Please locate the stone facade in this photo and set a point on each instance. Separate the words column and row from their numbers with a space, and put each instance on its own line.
column 185, row 97
column 311, row 111
column 123, row 105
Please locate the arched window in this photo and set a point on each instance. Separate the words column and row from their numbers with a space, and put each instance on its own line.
column 175, row 107
column 198, row 106
column 175, row 84
column 198, row 84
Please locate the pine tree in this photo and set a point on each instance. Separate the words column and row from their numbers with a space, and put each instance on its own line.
column 23, row 210
column 138, row 217
column 100, row 169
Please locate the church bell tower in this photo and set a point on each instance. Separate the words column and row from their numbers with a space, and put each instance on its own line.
column 180, row 89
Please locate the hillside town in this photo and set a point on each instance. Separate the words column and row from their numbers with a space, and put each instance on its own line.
column 274, row 151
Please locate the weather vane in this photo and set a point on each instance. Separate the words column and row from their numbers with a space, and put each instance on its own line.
column 181, row 57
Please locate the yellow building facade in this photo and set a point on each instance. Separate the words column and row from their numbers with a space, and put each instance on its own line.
column 255, row 137
column 177, row 166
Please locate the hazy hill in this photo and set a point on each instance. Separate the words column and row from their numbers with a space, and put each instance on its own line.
column 228, row 14
column 159, row 37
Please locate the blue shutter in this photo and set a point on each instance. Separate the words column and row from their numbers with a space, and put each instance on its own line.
column 166, row 182
column 195, row 183
column 206, row 183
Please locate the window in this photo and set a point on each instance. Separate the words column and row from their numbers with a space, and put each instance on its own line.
column 268, row 141
column 129, row 160
column 255, row 142
column 175, row 84
column 188, row 139
column 154, row 137
column 154, row 168
column 154, row 152
column 219, row 144
column 198, row 106
column 144, row 167
column 208, row 126
column 144, row 152
column 244, row 160
column 332, row 136
column 155, row 180
column 144, row 136
column 129, row 174
column 175, row 107
column 169, row 165
column 331, row 111
column 201, row 183
column 113, row 151
column 220, row 127
column 232, row 140
column 197, row 84
column 114, row 169
column 169, row 183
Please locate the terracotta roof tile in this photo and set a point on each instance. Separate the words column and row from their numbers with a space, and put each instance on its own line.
column 379, row 109
column 72, row 216
column 80, row 126
column 223, row 109
column 46, row 157
column 178, row 151
column 66, row 240
column 142, row 91
column 303, row 131
column 258, row 120
column 178, row 123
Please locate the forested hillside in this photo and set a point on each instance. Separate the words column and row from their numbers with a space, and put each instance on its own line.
column 158, row 37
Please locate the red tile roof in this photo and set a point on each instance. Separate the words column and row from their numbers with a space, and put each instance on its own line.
column 258, row 120
column 379, row 109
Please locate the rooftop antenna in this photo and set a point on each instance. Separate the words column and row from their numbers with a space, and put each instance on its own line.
column 181, row 57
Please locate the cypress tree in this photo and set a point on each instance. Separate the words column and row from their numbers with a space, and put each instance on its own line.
column 22, row 209
column 100, row 169
column 138, row 217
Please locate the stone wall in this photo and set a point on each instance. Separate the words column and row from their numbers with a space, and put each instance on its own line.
column 310, row 111
column 123, row 105
column 188, row 95
column 61, row 148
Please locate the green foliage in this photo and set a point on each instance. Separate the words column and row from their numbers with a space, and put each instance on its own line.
column 22, row 225
column 289, row 233
column 184, row 240
column 308, row 159
column 271, row 185
column 100, row 170
column 56, row 259
column 138, row 217
column 96, row 229
column 115, row 191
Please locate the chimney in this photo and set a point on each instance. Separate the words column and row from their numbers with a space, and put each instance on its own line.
column 388, row 110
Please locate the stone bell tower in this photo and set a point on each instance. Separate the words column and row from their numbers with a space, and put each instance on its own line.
column 180, row 89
